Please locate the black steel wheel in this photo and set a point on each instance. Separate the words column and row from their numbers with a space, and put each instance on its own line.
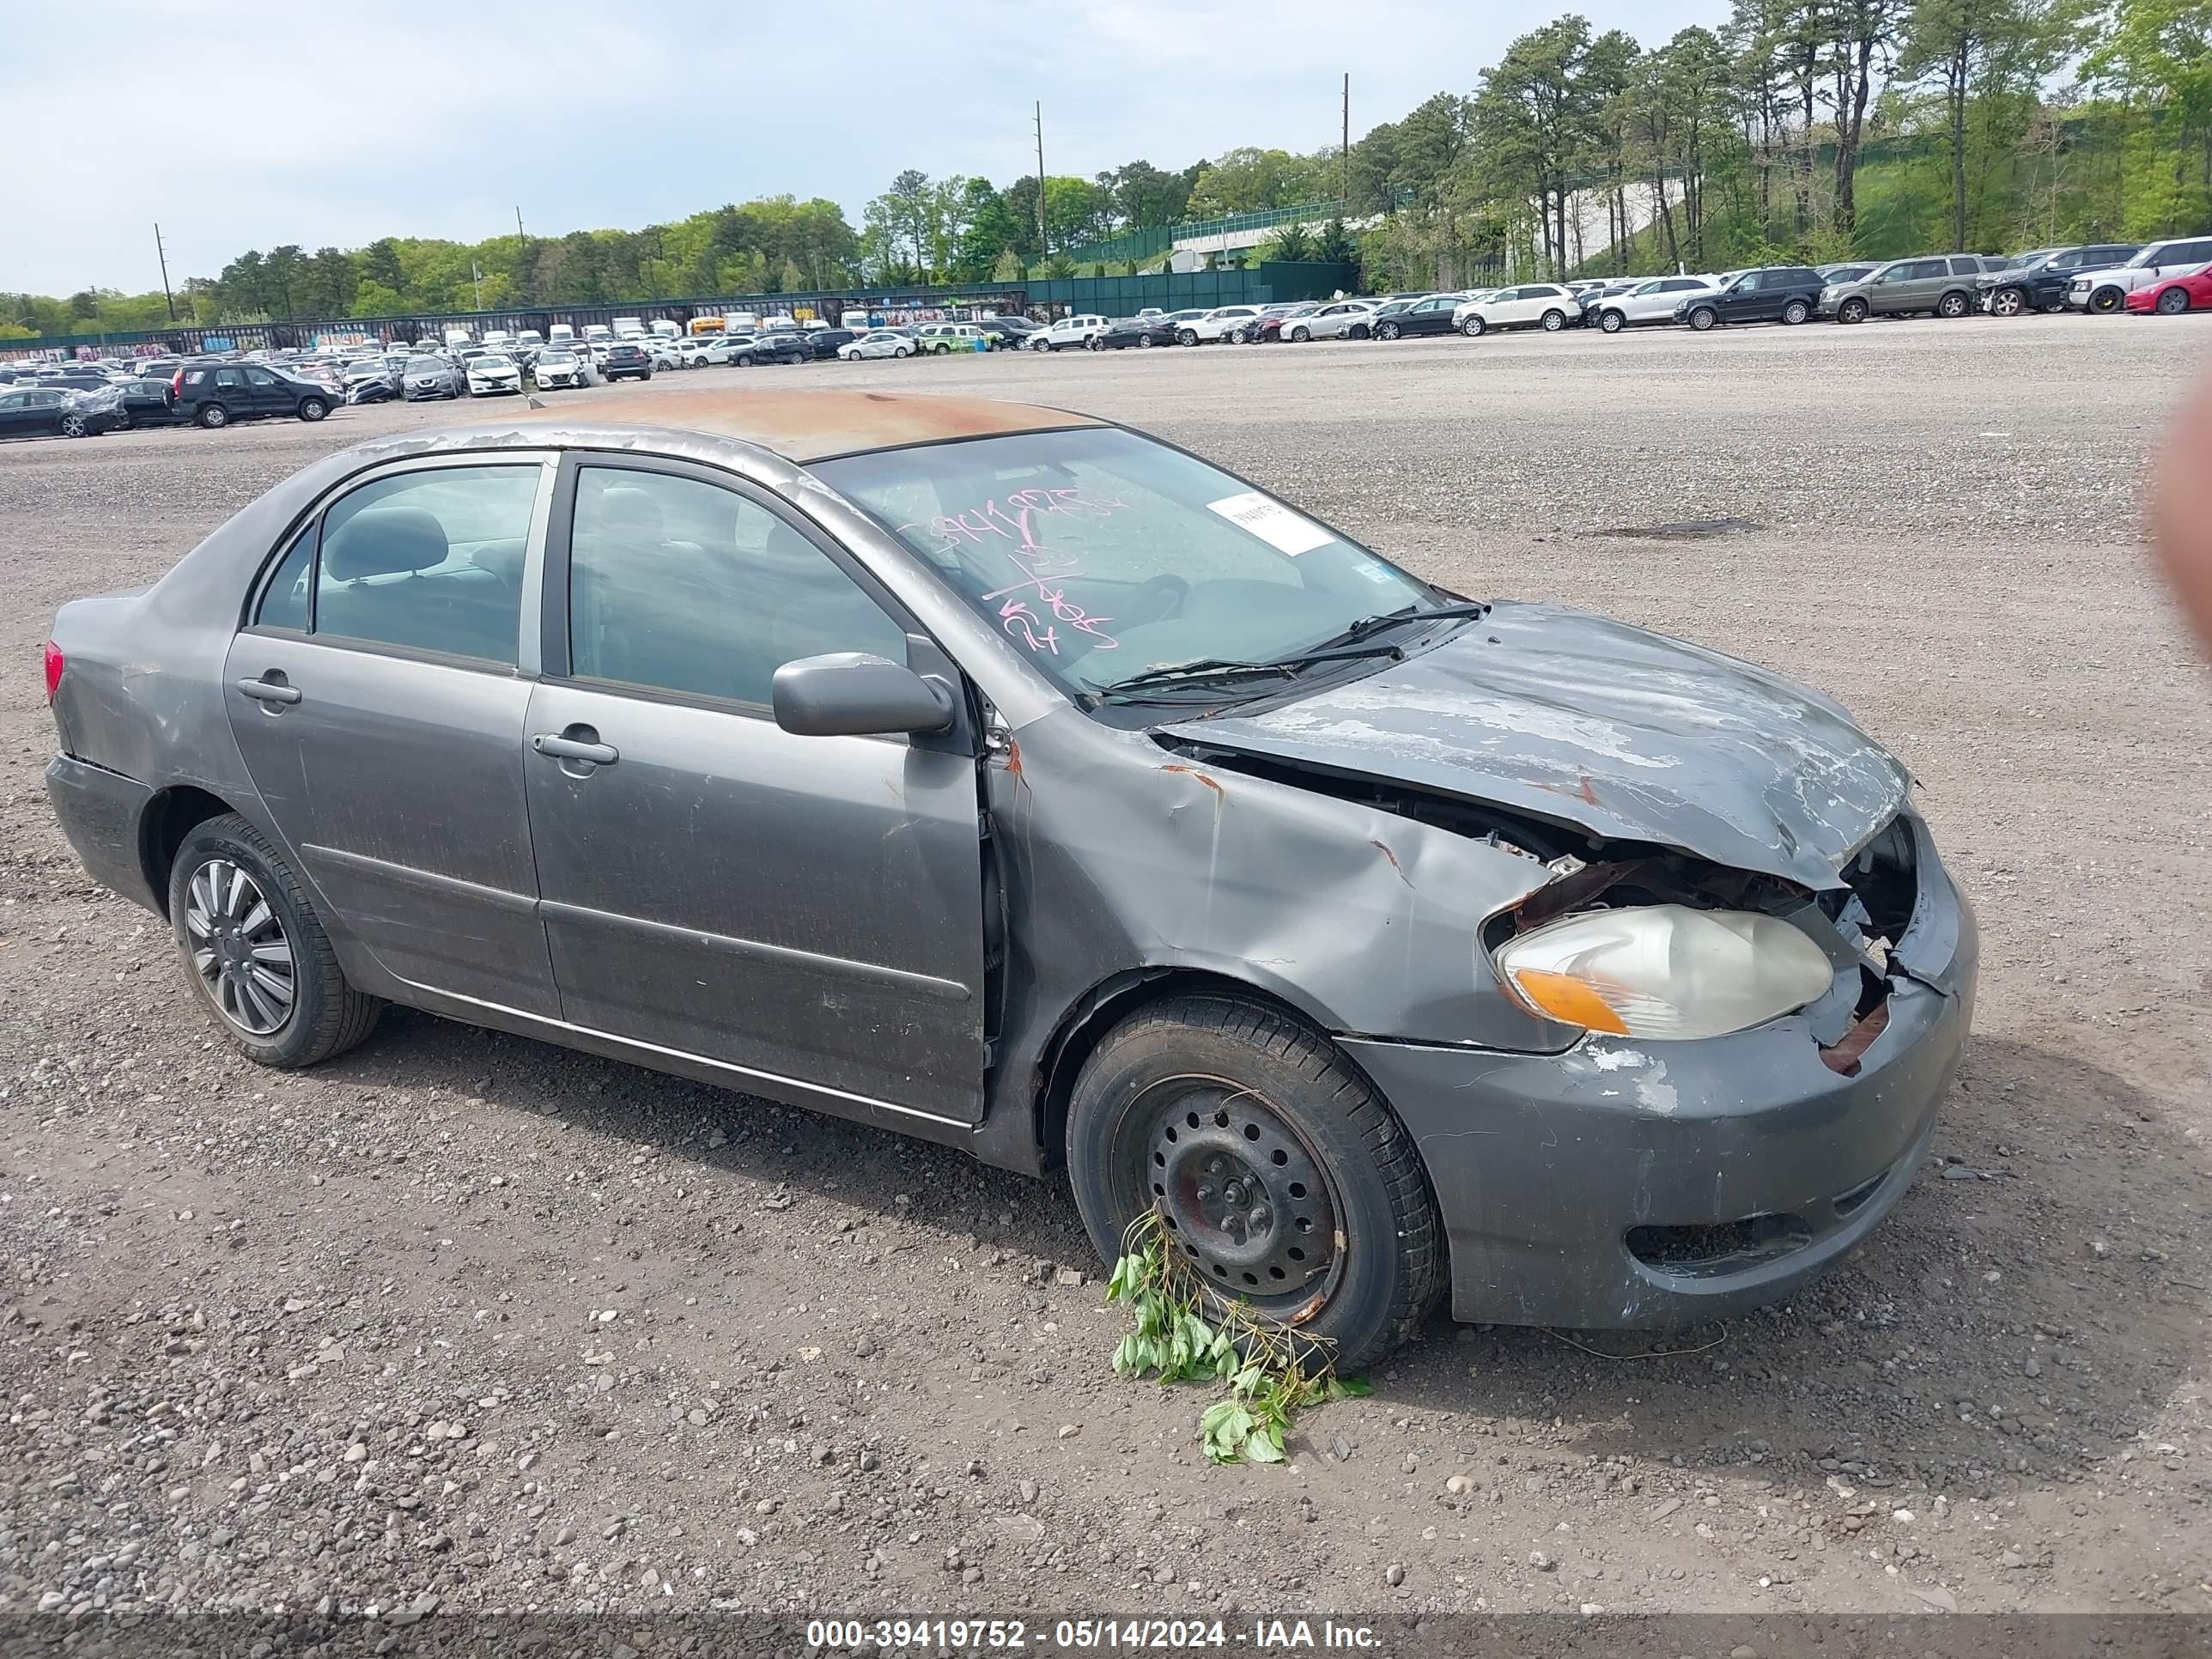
column 2107, row 301
column 1278, row 1171
column 257, row 951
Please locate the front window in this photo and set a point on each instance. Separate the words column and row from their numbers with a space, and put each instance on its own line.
column 1102, row 554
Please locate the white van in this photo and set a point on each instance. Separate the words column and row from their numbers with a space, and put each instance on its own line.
column 562, row 334
column 498, row 339
column 666, row 329
column 530, row 337
column 458, row 336
column 598, row 334
column 629, row 328
column 740, row 322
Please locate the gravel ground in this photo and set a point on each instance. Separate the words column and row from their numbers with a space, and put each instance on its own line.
column 466, row 1317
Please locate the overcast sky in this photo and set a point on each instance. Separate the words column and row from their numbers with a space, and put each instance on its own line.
column 257, row 123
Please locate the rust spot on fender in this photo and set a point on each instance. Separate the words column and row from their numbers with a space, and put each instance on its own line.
column 1210, row 781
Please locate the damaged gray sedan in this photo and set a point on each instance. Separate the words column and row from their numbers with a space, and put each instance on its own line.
column 1008, row 778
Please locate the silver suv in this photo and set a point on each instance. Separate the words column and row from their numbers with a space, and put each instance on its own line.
column 1944, row 285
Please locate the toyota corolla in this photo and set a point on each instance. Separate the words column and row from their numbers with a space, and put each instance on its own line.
column 1009, row 778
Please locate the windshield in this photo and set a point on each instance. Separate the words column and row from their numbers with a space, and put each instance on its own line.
column 556, row 360
column 2149, row 256
column 424, row 365
column 494, row 361
column 1102, row 554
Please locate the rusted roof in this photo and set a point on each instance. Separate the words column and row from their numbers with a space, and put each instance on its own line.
column 806, row 426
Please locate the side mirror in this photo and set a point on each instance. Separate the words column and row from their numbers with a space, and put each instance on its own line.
column 853, row 694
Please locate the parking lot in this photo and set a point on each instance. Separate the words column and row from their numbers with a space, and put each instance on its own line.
column 463, row 1315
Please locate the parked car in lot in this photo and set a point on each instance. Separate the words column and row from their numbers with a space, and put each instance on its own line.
column 1007, row 332
column 52, row 411
column 771, row 347
column 1338, row 320
column 1155, row 330
column 1075, row 330
column 1216, row 324
column 1269, row 330
column 147, row 402
column 554, row 368
column 2105, row 292
column 2172, row 296
column 216, row 394
column 625, row 359
column 720, row 815
column 2038, row 281
column 494, row 374
column 825, row 341
column 432, row 375
column 942, row 339
column 1771, row 294
column 1944, row 284
column 1547, row 305
column 373, row 369
column 1431, row 315
column 1655, row 300
column 878, row 342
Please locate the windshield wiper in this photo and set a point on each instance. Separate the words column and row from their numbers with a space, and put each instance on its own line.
column 1206, row 670
column 1367, row 627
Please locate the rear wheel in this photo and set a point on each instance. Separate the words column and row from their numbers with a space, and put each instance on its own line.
column 257, row 952
column 1795, row 313
column 1145, row 339
column 1554, row 321
column 213, row 415
column 1281, row 1177
column 74, row 426
column 2173, row 301
column 1953, row 304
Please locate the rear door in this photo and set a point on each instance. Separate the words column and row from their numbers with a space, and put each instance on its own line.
column 805, row 912
column 377, row 697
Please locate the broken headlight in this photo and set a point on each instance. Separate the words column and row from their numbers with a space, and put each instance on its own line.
column 1664, row 971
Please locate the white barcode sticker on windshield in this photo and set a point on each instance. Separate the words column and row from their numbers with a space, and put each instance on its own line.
column 1272, row 522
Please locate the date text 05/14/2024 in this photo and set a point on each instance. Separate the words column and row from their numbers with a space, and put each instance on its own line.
column 1091, row 1635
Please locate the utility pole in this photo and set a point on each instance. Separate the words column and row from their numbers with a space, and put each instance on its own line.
column 476, row 276
column 1044, row 242
column 161, row 254
column 522, row 288
column 1343, row 188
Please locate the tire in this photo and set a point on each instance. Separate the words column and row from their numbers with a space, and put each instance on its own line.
column 212, row 415
column 1795, row 313
column 2173, row 301
column 1357, row 331
column 1953, row 304
column 1554, row 321
column 1145, row 341
column 1386, row 331
column 1302, row 333
column 2007, row 302
column 1474, row 327
column 1096, row 343
column 1611, row 322
column 2054, row 308
column 1853, row 310
column 324, row 1015
column 744, row 360
column 76, row 426
column 1703, row 317
column 1187, row 336
column 313, row 409
column 2104, row 302
column 901, row 351
column 1190, row 1084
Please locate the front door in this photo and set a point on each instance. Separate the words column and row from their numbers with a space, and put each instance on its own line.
column 269, row 393
column 375, row 700
column 805, row 911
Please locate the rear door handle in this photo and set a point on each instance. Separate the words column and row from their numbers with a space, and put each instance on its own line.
column 270, row 690
column 567, row 748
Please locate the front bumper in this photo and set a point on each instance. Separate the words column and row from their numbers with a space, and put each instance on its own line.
column 100, row 811
column 1635, row 1184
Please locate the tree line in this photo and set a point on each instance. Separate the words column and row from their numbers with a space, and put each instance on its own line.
column 1793, row 129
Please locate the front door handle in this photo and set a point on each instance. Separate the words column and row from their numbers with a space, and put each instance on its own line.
column 563, row 746
column 270, row 690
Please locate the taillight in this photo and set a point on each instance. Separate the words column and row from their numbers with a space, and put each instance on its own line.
column 177, row 385
column 55, row 663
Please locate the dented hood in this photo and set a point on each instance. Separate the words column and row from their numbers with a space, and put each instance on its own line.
column 1625, row 733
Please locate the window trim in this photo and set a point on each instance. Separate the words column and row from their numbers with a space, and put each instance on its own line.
column 525, row 664
column 554, row 665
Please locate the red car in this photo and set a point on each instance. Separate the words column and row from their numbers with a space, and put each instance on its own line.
column 1271, row 324
column 2173, row 296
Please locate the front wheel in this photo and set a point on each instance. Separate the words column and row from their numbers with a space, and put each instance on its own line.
column 2107, row 301
column 1703, row 317
column 1281, row 1178
column 1853, row 310
column 257, row 952
column 1611, row 322
column 1189, row 336
column 313, row 409
column 2007, row 302
column 1302, row 333
column 744, row 360
column 1096, row 343
column 1473, row 328
column 1386, row 331
column 2173, row 302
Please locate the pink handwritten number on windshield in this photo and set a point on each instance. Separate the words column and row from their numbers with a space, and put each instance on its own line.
column 1015, row 519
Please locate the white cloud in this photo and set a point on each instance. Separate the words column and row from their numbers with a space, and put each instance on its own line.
column 260, row 123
